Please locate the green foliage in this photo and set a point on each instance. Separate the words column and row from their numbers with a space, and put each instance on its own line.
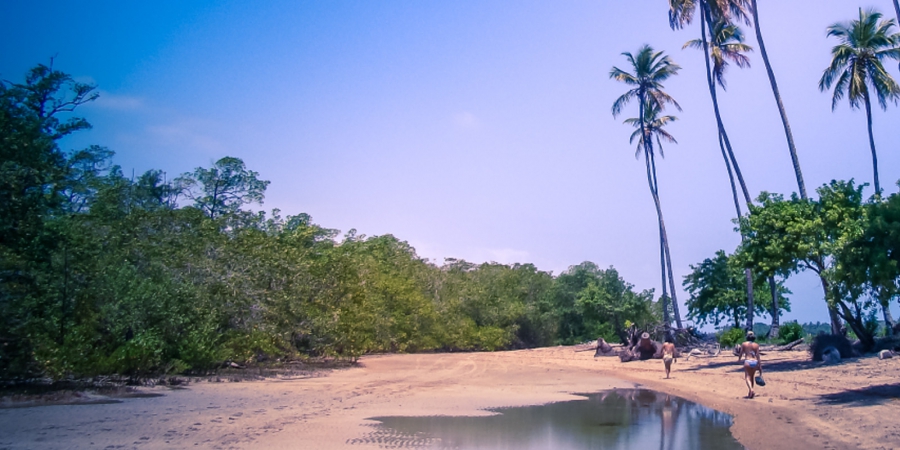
column 223, row 188
column 592, row 302
column 731, row 337
column 785, row 236
column 718, row 292
column 790, row 332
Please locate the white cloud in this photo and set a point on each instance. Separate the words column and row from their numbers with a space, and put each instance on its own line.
column 107, row 100
column 188, row 135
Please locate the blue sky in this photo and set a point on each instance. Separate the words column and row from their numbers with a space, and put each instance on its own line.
column 473, row 129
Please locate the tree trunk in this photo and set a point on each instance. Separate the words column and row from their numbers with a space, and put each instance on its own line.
column 773, row 331
column 897, row 10
column 856, row 324
column 712, row 93
column 665, row 241
column 734, row 194
column 872, row 145
column 888, row 319
column 667, row 322
column 749, row 276
column 651, row 181
column 723, row 138
column 886, row 312
column 784, row 120
column 836, row 323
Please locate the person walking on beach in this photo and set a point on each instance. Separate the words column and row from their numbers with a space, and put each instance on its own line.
column 668, row 352
column 752, row 364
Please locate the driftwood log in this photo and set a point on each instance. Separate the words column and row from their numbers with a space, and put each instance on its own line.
column 603, row 348
column 771, row 348
column 644, row 349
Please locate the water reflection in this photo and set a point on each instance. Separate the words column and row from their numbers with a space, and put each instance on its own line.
column 620, row 419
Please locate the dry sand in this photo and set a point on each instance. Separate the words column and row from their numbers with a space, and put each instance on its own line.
column 805, row 405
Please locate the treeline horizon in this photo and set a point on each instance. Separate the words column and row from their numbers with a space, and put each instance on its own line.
column 103, row 273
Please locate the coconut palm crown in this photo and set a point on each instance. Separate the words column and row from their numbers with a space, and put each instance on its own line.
column 681, row 12
column 654, row 127
column 650, row 70
column 856, row 68
column 726, row 43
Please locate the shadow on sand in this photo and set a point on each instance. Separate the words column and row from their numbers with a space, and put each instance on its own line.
column 867, row 396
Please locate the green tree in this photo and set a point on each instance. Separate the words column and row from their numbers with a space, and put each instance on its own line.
column 223, row 188
column 784, row 237
column 609, row 304
column 718, row 292
column 649, row 70
column 34, row 179
column 870, row 264
column 856, row 68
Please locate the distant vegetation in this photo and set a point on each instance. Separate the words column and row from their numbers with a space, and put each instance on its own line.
column 104, row 273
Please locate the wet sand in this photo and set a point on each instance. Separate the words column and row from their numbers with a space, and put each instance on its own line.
column 804, row 405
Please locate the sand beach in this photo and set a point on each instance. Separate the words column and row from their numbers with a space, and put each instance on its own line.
column 804, row 405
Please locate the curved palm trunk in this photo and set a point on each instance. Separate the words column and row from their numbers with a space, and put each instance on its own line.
column 773, row 331
column 872, row 145
column 665, row 242
column 897, row 10
column 784, row 120
column 667, row 321
column 651, row 181
column 723, row 139
column 704, row 18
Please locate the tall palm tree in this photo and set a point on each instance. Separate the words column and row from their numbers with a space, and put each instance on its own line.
column 856, row 69
column 649, row 69
column 726, row 43
column 781, row 111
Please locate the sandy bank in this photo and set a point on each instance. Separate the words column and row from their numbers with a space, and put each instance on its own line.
column 805, row 405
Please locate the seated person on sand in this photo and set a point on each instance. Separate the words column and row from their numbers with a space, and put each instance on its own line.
column 668, row 352
column 752, row 363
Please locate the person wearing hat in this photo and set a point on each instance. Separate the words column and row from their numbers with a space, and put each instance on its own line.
column 752, row 364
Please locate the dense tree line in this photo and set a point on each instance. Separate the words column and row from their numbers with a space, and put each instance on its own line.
column 104, row 273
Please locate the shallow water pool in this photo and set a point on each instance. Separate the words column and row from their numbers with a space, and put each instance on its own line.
column 617, row 419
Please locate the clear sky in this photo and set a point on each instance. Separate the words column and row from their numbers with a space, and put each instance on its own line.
column 472, row 129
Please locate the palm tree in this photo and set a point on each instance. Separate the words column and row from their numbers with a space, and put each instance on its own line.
column 649, row 70
column 856, row 67
column 725, row 43
column 681, row 13
column 784, row 120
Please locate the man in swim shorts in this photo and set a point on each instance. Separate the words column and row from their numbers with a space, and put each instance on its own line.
column 668, row 352
column 752, row 364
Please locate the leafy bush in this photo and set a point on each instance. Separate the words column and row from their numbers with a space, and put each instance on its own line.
column 790, row 332
column 731, row 337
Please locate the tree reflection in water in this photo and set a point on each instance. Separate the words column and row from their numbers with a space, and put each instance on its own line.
column 619, row 419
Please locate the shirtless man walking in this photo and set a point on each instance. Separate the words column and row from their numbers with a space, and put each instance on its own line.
column 752, row 364
column 668, row 352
